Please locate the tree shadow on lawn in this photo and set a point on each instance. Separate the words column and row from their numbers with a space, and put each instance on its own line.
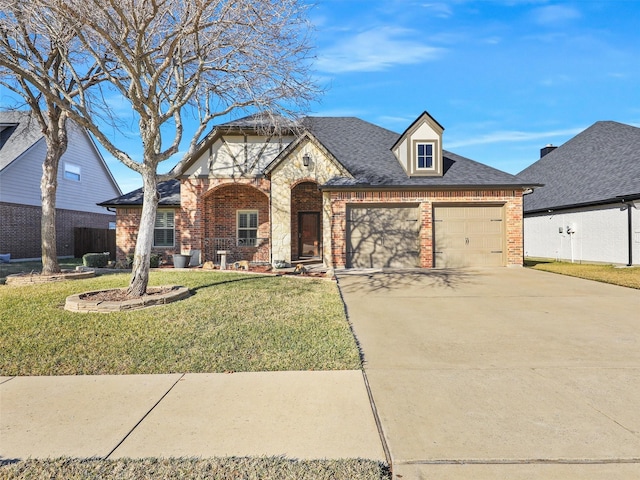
column 248, row 278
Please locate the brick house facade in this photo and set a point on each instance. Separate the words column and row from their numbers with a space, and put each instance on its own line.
column 319, row 192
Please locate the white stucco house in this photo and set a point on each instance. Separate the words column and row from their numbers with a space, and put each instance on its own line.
column 589, row 207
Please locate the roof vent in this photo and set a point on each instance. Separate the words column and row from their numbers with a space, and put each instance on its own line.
column 548, row 149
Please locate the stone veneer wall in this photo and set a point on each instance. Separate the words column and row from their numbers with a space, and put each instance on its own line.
column 512, row 200
column 284, row 178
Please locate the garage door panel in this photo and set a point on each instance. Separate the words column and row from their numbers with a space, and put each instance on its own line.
column 379, row 237
column 469, row 236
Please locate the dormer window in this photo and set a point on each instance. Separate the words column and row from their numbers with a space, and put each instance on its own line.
column 419, row 148
column 424, row 156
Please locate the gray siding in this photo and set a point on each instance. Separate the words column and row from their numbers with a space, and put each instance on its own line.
column 20, row 181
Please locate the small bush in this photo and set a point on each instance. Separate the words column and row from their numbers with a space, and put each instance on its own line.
column 154, row 260
column 95, row 260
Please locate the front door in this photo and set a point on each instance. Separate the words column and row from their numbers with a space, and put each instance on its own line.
column 309, row 234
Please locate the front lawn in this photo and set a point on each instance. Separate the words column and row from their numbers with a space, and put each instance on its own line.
column 232, row 322
column 623, row 276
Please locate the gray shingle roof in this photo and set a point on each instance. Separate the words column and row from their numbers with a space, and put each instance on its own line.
column 365, row 151
column 599, row 164
column 169, row 196
column 25, row 135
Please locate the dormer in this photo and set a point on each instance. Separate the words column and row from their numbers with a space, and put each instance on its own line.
column 419, row 148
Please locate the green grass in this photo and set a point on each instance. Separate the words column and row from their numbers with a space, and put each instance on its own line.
column 35, row 266
column 232, row 322
column 217, row 468
column 626, row 277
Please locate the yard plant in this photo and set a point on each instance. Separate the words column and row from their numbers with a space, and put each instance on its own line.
column 232, row 322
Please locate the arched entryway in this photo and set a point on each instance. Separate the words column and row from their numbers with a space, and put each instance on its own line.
column 306, row 221
column 237, row 221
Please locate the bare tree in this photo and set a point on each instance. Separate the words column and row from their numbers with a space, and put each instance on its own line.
column 175, row 60
column 25, row 48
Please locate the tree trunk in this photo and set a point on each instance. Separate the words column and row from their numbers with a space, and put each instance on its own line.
column 56, row 146
column 144, row 242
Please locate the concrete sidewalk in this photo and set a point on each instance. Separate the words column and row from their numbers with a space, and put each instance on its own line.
column 304, row 415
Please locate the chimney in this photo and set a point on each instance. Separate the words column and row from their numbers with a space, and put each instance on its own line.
column 548, row 149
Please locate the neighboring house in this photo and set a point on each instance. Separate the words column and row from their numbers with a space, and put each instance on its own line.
column 340, row 190
column 83, row 180
column 589, row 207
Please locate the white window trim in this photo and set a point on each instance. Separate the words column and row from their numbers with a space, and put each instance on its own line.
column 246, row 212
column 436, row 155
column 433, row 156
column 72, row 170
column 172, row 227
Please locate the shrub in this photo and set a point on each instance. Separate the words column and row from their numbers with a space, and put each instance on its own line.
column 95, row 260
column 154, row 260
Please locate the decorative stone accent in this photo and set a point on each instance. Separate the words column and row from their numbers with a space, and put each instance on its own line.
column 284, row 178
column 75, row 303
column 37, row 278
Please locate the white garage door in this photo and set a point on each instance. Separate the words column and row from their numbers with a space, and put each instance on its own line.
column 469, row 236
column 383, row 236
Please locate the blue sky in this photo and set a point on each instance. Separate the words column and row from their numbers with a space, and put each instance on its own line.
column 504, row 77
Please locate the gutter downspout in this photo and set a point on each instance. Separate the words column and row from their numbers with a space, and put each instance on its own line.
column 630, row 233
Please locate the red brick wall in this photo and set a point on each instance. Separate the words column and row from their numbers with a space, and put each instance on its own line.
column 305, row 197
column 20, row 229
column 127, row 223
column 220, row 221
column 511, row 199
column 194, row 222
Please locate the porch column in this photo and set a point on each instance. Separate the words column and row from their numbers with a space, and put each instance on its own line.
column 280, row 221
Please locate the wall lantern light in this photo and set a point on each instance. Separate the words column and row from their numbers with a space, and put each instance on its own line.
column 306, row 159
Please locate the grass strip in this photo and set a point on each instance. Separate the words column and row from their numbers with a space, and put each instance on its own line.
column 231, row 468
column 623, row 276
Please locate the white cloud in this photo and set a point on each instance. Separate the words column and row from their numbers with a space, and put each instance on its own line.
column 554, row 14
column 375, row 50
column 505, row 136
column 439, row 9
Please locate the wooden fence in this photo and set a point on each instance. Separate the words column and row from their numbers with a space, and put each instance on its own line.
column 94, row 240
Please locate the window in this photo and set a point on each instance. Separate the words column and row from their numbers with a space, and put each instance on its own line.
column 72, row 172
column 164, row 229
column 247, row 228
column 424, row 155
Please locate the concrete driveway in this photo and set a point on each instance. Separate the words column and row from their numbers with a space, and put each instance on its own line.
column 500, row 373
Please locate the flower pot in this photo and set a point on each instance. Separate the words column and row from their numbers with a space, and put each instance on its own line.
column 180, row 260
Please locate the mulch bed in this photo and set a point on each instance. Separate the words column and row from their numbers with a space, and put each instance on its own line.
column 120, row 294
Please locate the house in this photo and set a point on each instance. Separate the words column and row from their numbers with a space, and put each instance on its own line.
column 340, row 190
column 589, row 207
column 83, row 180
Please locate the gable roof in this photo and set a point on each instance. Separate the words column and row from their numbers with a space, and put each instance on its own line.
column 599, row 165
column 169, row 196
column 20, row 131
column 361, row 148
column 365, row 151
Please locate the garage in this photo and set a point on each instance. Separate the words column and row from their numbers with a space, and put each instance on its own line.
column 383, row 236
column 469, row 236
